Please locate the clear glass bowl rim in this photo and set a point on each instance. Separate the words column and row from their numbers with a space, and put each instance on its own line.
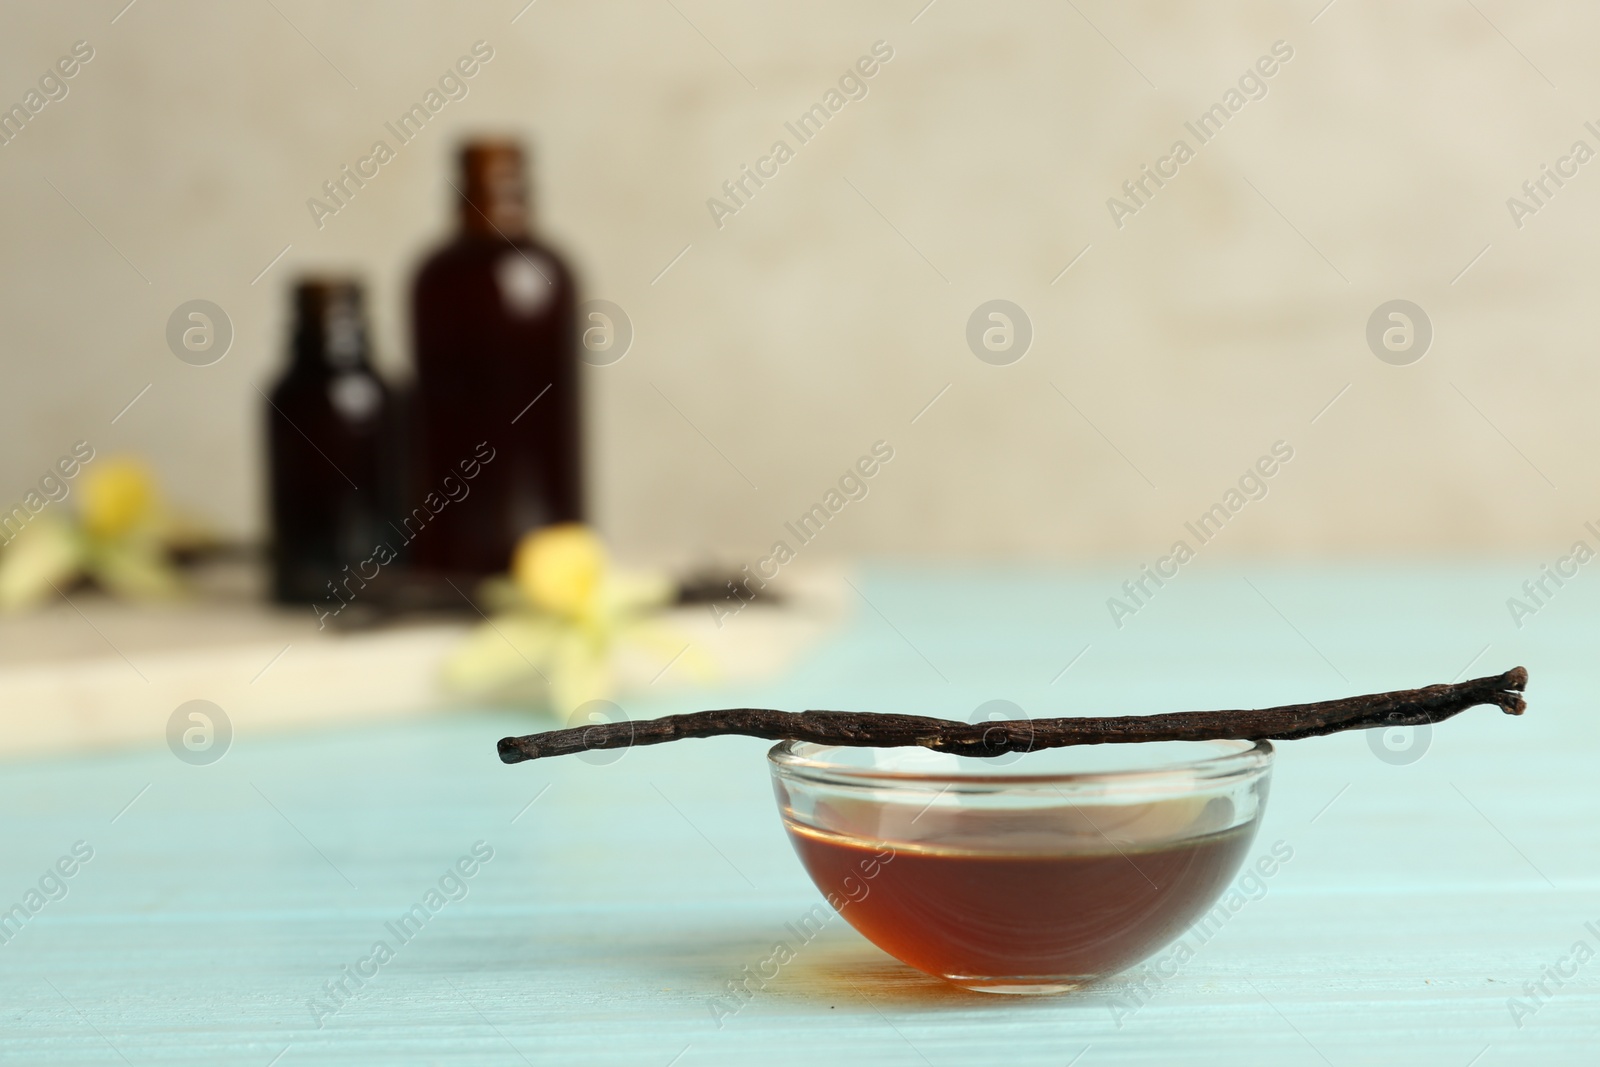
column 788, row 758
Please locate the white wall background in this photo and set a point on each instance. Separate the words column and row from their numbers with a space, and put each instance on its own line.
column 1222, row 317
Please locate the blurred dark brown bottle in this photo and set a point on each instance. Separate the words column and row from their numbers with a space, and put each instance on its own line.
column 330, row 425
column 493, row 321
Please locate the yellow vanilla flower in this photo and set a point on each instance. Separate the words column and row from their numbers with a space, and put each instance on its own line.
column 118, row 538
column 119, row 496
column 567, row 626
column 560, row 569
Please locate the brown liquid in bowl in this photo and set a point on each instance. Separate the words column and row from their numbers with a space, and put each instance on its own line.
column 1019, row 909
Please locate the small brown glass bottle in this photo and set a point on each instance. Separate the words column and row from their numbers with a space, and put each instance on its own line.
column 330, row 423
column 493, row 324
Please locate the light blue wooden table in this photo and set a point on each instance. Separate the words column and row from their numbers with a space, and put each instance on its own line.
column 620, row 899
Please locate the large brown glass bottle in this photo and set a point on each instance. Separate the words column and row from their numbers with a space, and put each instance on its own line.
column 494, row 329
column 330, row 423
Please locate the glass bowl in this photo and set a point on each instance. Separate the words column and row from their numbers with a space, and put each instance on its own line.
column 1033, row 872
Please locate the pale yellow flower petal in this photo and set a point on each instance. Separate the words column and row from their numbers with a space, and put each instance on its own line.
column 46, row 555
column 579, row 671
column 503, row 659
column 627, row 592
column 135, row 568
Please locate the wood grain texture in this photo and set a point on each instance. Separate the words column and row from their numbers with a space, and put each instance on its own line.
column 622, row 896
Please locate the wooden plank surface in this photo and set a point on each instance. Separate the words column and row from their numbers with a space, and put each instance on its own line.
column 621, row 898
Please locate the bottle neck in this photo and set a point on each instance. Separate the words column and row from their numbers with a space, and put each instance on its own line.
column 494, row 192
column 330, row 335
column 494, row 217
column 315, row 351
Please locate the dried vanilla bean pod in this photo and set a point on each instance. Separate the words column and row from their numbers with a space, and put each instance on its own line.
column 1405, row 707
